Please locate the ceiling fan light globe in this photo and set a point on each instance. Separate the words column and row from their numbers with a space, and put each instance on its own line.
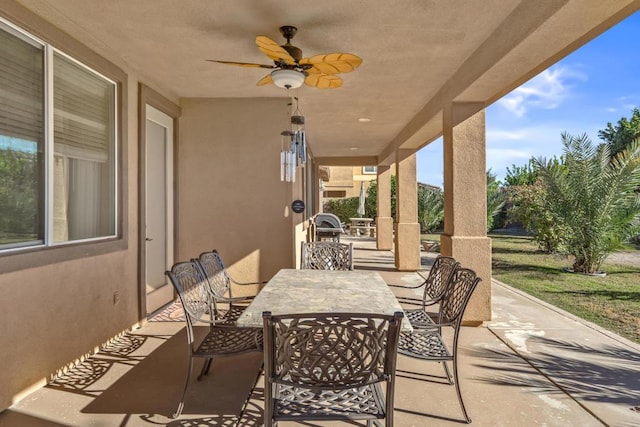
column 289, row 79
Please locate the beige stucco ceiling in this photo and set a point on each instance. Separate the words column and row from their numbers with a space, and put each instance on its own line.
column 418, row 54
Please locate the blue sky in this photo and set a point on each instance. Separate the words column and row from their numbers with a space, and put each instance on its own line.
column 598, row 83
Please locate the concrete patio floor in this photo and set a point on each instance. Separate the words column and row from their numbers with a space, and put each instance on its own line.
column 531, row 365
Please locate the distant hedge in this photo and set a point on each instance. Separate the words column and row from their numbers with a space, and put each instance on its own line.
column 343, row 208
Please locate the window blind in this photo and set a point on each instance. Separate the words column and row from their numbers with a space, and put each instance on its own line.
column 83, row 110
column 21, row 89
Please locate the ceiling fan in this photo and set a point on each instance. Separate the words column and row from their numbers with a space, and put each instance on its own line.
column 290, row 69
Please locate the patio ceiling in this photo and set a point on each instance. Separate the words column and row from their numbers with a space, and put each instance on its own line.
column 418, row 55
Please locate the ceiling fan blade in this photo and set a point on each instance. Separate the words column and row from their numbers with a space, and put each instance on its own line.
column 265, row 80
column 243, row 64
column 332, row 63
column 273, row 50
column 323, row 81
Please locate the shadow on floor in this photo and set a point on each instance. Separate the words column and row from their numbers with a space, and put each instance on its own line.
column 589, row 373
column 132, row 376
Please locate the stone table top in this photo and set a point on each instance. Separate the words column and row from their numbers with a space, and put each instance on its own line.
column 321, row 291
column 362, row 220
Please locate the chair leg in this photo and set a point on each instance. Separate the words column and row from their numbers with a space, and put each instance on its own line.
column 457, row 384
column 447, row 373
column 184, row 391
column 268, row 405
column 205, row 368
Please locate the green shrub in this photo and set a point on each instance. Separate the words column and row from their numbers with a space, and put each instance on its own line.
column 344, row 208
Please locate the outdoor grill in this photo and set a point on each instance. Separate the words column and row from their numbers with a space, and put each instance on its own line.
column 328, row 226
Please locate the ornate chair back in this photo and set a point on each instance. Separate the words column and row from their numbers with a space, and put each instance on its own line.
column 309, row 354
column 439, row 279
column 326, row 256
column 213, row 268
column 192, row 288
column 456, row 298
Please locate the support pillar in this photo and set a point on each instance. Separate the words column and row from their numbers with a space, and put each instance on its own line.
column 318, row 194
column 465, row 200
column 384, row 221
column 407, row 238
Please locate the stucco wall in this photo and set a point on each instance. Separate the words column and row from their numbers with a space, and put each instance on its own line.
column 348, row 179
column 230, row 196
column 341, row 178
column 58, row 304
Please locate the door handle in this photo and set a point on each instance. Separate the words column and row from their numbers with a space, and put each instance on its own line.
column 148, row 239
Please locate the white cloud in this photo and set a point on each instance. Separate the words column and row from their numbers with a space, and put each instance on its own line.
column 497, row 156
column 624, row 104
column 539, row 136
column 547, row 90
column 515, row 146
column 508, row 144
column 505, row 135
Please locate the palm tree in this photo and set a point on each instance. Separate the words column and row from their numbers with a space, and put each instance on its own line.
column 430, row 208
column 593, row 198
column 496, row 198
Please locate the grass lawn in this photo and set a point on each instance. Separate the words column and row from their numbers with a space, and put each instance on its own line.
column 612, row 302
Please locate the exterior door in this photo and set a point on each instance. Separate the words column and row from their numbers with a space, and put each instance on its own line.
column 158, row 208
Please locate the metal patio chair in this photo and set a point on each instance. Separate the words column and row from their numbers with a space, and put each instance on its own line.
column 221, row 283
column 326, row 256
column 435, row 286
column 428, row 344
column 330, row 366
column 223, row 339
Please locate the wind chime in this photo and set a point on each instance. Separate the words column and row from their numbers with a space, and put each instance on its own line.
column 293, row 153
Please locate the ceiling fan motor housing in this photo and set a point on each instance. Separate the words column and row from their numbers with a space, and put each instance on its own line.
column 288, row 32
column 295, row 52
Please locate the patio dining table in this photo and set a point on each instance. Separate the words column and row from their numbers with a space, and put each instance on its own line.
column 322, row 291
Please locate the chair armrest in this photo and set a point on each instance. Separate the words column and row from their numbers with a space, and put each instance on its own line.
column 262, row 282
column 247, row 298
column 409, row 300
column 217, row 322
column 406, row 287
column 417, row 301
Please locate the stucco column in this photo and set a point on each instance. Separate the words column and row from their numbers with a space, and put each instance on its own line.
column 465, row 200
column 318, row 196
column 407, row 241
column 384, row 222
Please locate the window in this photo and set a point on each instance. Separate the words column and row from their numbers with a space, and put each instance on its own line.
column 369, row 170
column 57, row 146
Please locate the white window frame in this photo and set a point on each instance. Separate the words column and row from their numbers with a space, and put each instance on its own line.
column 372, row 171
column 48, row 53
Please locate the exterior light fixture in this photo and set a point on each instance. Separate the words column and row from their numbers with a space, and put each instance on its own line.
column 288, row 79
